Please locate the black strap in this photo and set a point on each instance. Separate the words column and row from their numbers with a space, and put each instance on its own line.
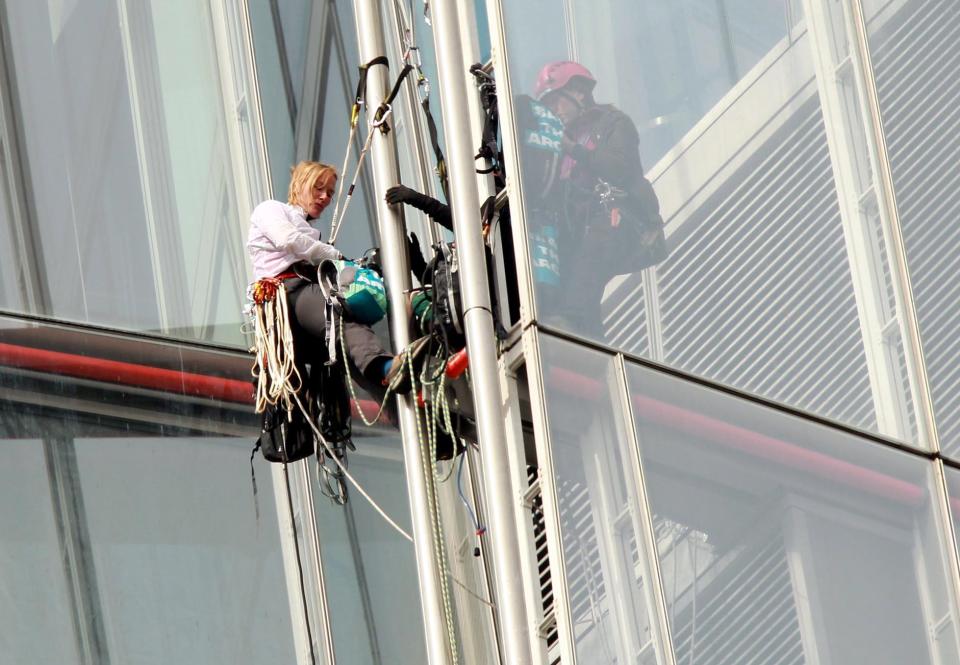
column 253, row 479
column 362, row 86
column 437, row 152
column 388, row 101
column 489, row 140
column 396, row 84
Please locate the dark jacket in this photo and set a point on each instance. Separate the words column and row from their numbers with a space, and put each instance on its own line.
column 607, row 150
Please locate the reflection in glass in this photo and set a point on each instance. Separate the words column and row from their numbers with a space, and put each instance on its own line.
column 785, row 541
column 130, row 189
column 915, row 47
column 720, row 104
column 130, row 531
column 599, row 520
column 185, row 570
column 370, row 569
column 36, row 624
column 133, row 548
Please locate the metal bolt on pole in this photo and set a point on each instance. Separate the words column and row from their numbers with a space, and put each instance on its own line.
column 481, row 343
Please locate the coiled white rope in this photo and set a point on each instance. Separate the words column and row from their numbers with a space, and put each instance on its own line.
column 274, row 366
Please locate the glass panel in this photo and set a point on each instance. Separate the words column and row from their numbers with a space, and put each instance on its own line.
column 781, row 540
column 369, row 568
column 915, row 48
column 134, row 528
column 598, row 507
column 186, row 572
column 315, row 126
column 124, row 132
column 282, row 44
column 718, row 100
column 35, row 616
column 13, row 291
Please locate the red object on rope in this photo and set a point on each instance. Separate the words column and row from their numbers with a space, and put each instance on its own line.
column 457, row 364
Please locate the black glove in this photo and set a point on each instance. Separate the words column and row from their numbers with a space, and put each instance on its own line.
column 438, row 211
column 418, row 264
column 400, row 194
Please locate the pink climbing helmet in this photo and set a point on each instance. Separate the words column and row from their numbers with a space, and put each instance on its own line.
column 555, row 75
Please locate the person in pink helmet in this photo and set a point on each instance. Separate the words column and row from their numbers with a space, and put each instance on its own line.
column 612, row 222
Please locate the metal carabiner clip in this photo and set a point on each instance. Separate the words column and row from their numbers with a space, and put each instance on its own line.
column 604, row 190
column 380, row 121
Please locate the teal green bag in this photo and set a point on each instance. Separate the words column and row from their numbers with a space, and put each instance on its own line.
column 363, row 292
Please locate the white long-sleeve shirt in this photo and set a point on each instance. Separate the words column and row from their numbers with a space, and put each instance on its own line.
column 280, row 236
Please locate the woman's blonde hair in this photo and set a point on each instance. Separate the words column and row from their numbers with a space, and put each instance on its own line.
column 305, row 172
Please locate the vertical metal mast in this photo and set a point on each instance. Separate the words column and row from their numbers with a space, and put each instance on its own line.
column 393, row 243
column 478, row 320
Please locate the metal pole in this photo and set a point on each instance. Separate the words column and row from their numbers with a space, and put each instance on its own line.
column 371, row 44
column 478, row 321
column 903, row 291
column 642, row 516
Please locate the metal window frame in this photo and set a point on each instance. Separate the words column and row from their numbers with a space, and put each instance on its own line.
column 643, row 517
column 510, row 140
column 522, row 500
column 479, row 328
column 893, row 232
column 550, row 497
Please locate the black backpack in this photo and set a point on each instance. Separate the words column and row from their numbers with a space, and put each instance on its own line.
column 285, row 437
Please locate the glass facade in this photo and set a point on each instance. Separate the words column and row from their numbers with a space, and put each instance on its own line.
column 309, row 116
column 130, row 532
column 122, row 184
column 771, row 281
column 370, row 568
column 598, row 507
column 783, row 541
column 734, row 441
column 778, row 540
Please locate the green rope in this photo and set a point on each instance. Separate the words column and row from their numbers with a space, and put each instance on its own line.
column 429, row 468
column 353, row 393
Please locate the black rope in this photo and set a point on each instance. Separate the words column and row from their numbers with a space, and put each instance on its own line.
column 388, row 101
column 253, row 479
